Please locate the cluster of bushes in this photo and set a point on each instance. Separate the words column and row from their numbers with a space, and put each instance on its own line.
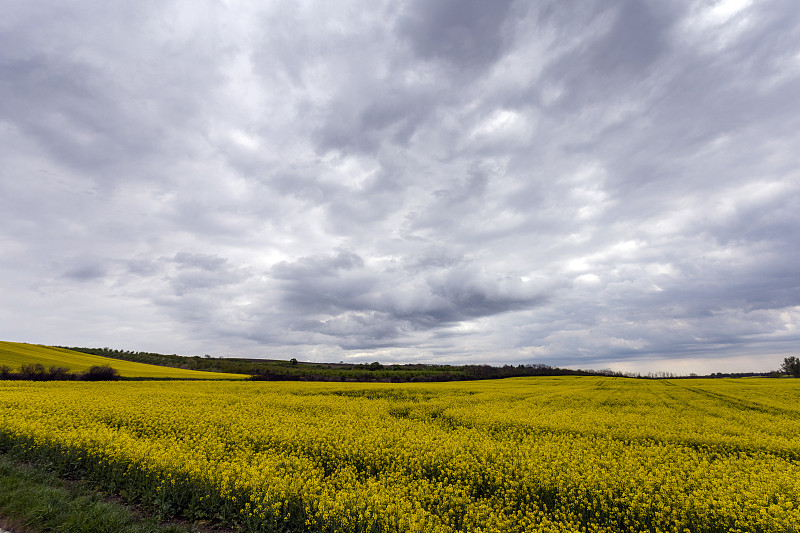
column 38, row 372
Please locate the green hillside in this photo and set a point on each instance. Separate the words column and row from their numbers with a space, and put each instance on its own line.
column 16, row 354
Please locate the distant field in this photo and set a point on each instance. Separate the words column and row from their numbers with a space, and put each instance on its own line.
column 525, row 455
column 16, row 354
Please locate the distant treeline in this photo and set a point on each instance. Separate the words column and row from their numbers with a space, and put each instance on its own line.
column 411, row 372
column 38, row 372
column 293, row 370
column 670, row 375
column 206, row 363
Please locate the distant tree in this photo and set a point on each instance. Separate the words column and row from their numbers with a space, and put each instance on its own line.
column 33, row 371
column 101, row 373
column 58, row 373
column 791, row 365
column 293, row 361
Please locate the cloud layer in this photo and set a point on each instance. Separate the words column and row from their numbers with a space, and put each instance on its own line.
column 575, row 183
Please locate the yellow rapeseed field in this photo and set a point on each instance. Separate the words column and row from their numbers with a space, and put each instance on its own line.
column 574, row 454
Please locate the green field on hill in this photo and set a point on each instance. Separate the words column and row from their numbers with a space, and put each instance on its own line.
column 16, row 354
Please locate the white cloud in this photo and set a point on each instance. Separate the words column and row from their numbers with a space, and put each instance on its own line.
column 589, row 184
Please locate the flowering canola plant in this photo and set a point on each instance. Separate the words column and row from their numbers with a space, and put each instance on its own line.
column 574, row 454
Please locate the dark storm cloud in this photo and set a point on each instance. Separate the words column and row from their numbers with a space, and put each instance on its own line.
column 584, row 183
column 205, row 262
column 465, row 34
column 355, row 301
column 187, row 273
column 636, row 38
column 85, row 272
column 623, row 41
column 61, row 104
column 195, row 272
column 393, row 116
column 318, row 267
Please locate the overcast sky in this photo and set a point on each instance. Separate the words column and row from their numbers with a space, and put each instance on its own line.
column 606, row 184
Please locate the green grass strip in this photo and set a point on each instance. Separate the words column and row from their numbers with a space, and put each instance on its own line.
column 36, row 501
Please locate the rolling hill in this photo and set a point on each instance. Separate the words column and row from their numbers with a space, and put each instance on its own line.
column 16, row 354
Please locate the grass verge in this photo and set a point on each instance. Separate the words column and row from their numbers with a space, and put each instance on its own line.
column 36, row 501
